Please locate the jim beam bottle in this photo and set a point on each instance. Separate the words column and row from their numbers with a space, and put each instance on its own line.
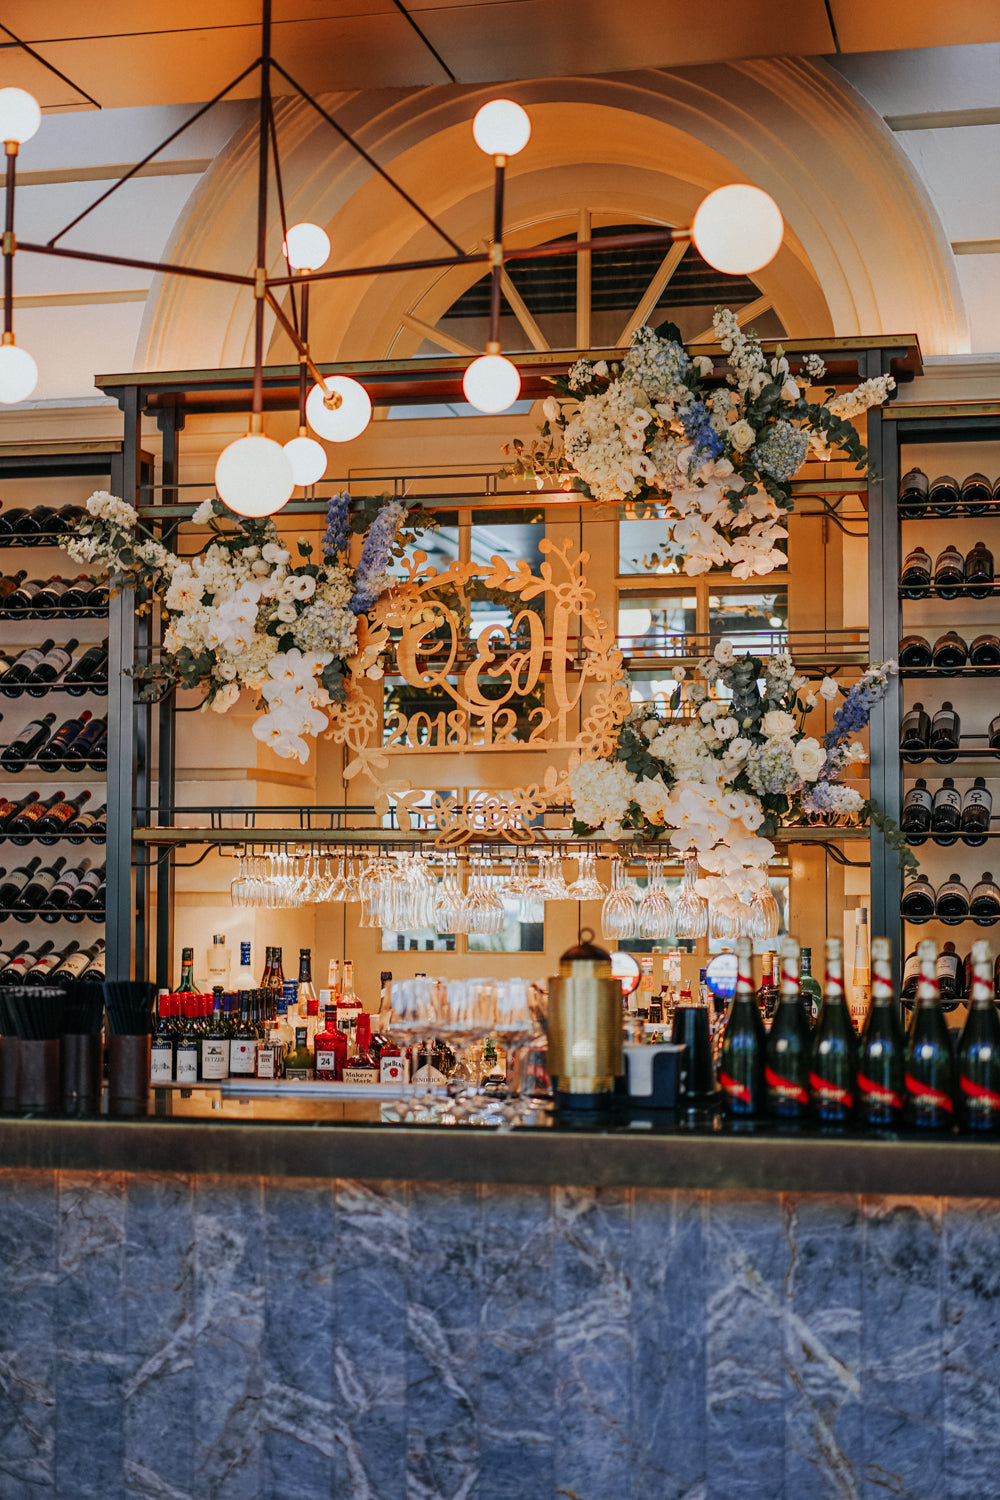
column 979, row 1050
column 833, row 1068
column 788, row 1044
column 880, row 1052
column 930, row 1065
column 741, row 1072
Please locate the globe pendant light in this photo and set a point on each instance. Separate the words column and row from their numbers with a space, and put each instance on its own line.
column 306, row 247
column 501, row 128
column 339, row 421
column 307, row 457
column 20, row 116
column 491, row 383
column 254, row 475
column 18, row 372
column 738, row 229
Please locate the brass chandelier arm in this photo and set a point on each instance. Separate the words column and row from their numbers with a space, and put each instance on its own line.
column 166, row 268
column 292, row 332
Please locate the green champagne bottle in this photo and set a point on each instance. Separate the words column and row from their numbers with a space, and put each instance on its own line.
column 834, row 1052
column 930, row 1063
column 741, row 1073
column 880, row 1052
column 979, row 1049
column 788, row 1045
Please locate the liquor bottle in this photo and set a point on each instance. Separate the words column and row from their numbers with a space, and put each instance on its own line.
column 643, row 993
column 22, row 961
column 85, row 671
column 978, row 1059
column 946, row 733
column 363, row 1066
column 950, row 652
column 741, row 1074
column 277, row 990
column 308, row 1000
column 979, row 571
column 84, row 747
column 22, row 827
column 767, row 995
column 161, row 1047
column 915, row 733
column 833, row 1066
column 915, row 577
column 16, row 675
column 946, row 813
column 985, row 650
column 914, row 488
column 36, row 893
column 809, row 987
column 58, row 818
column 788, row 1044
column 984, row 901
column 217, row 962
column 952, row 904
column 918, row 900
column 10, row 810
column 265, row 978
column 79, row 963
column 90, row 825
column 300, row 1062
column 16, row 881
column 84, row 897
column 915, row 651
column 243, row 1044
column 8, row 585
column 215, row 1043
column 880, row 1051
column 51, row 753
column 915, row 818
column 950, row 976
column 976, row 495
column 861, row 986
column 64, row 887
column 25, row 744
column 930, row 1063
column 329, row 1048
column 977, row 808
column 949, row 573
column 945, row 496
column 53, row 663
column 186, row 982
column 187, row 1058
column 349, row 1007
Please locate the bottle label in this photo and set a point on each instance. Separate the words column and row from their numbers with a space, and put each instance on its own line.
column 267, row 1056
column 244, row 955
column 326, row 1061
column 358, row 1073
column 947, row 796
column 290, row 993
column 187, row 1063
column 214, row 1058
column 979, row 1098
column 978, row 796
column 242, row 1056
column 917, row 796
column 931, row 1098
column 874, row 1093
column 830, row 1093
column 161, row 1061
column 300, row 1075
column 394, row 1070
column 74, row 966
column 785, row 1087
column 735, row 1090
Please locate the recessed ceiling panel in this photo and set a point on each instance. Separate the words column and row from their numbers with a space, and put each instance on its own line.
column 893, row 24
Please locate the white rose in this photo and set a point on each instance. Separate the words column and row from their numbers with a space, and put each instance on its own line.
column 790, row 390
column 678, row 674
column 272, row 553
column 808, row 758
column 856, row 753
column 739, row 748
column 726, row 728
column 303, row 586
column 710, row 711
column 828, row 689
column 741, row 435
column 286, row 612
column 696, row 694
column 601, row 368
column 224, row 670
column 225, row 698
column 777, row 724
column 752, row 816
column 261, row 568
column 810, row 700
column 204, row 512
column 724, row 653
column 550, row 408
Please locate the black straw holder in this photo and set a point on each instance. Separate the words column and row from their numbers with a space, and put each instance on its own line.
column 128, row 1075
column 82, row 1074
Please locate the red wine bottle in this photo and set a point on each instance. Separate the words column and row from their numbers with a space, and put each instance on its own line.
column 83, row 673
column 915, row 818
column 63, row 889
column 82, row 747
column 89, row 825
column 17, row 971
column 10, row 810
column 17, row 881
column 26, row 744
column 51, row 754
column 61, row 816
column 13, row 680
column 52, row 664
column 21, row 828
column 949, row 573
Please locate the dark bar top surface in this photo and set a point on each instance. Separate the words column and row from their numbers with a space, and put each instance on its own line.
column 710, row 1156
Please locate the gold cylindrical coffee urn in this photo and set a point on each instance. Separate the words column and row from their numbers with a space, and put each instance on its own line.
column 585, row 1027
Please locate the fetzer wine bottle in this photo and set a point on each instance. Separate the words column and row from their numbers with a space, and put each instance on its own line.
column 880, row 1051
column 741, row 1072
column 930, row 1064
column 834, row 1055
column 979, row 1050
column 788, row 1045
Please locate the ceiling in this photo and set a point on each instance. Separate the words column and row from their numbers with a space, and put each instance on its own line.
column 124, row 53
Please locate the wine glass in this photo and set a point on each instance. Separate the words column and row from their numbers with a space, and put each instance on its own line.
column 618, row 914
column 690, row 911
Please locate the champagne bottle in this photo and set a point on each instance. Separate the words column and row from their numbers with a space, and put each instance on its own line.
column 945, row 496
column 914, row 488
column 977, row 808
column 915, row 733
column 978, row 1060
column 930, row 1065
column 788, row 1044
column 976, row 495
column 979, row 571
column 880, row 1052
column 915, row 651
column 741, row 1074
column 949, row 573
column 946, row 733
column 918, row 900
column 985, row 650
column 915, row 818
column 26, row 744
column 915, row 577
column 950, row 652
column 834, row 1051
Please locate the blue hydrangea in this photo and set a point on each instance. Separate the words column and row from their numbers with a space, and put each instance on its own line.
column 658, row 365
column 782, row 452
column 337, row 533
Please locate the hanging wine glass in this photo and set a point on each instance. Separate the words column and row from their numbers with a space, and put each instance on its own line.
column 618, row 914
column 690, row 911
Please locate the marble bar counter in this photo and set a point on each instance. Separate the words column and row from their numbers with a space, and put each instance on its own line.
column 201, row 1311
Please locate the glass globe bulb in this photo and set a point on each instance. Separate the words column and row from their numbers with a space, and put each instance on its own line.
column 20, row 115
column 308, row 460
column 306, row 247
column 491, row 383
column 254, row 476
column 18, row 373
column 501, row 128
column 738, row 229
column 344, row 422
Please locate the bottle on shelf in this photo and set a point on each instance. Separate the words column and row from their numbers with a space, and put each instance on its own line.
column 276, row 993
column 243, row 1043
column 9, row 810
column 979, row 573
column 87, row 670
column 217, row 963
column 996, row 494
column 915, row 817
column 51, row 754
column 952, row 904
column 82, row 963
column 985, row 650
column 977, row 495
column 23, row 961
column 89, row 825
column 977, row 808
column 946, row 733
column 59, row 818
column 833, row 1064
column 83, row 748
column 914, row 488
column 300, row 1063
column 21, row 599
column 13, row 680
column 63, row 889
column 949, row 573
column 362, row 1067
column 9, row 522
column 915, row 734
column 945, row 496
column 9, row 585
column 85, row 895
column 53, row 595
column 786, row 1071
column 36, row 893
column 96, row 601
column 187, row 1057
column 6, row 662
column 307, row 998
column 22, row 827
column 244, row 974
column 329, row 1048
column 880, row 1050
column 950, row 976
column 741, row 1071
column 930, row 1066
column 186, row 984
column 915, row 576
column 161, row 1046
column 17, row 880
column 26, row 744
column 52, row 665
column 76, row 593
column 993, row 733
column 862, row 979
column 810, row 988
column 915, row 651
column 950, row 652
column 8, row 955
column 47, row 961
column 767, row 995
column 946, row 813
column 215, row 1042
column 978, row 1056
column 984, row 901
column 918, row 900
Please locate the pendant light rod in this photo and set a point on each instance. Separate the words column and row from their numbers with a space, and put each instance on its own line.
column 167, row 268
column 496, row 252
column 263, row 160
column 9, row 242
column 292, row 332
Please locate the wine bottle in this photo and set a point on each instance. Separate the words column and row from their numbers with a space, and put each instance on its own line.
column 36, row 893
column 8, row 956
column 6, row 662
column 97, row 760
column 21, row 828
column 880, row 1051
column 52, row 664
column 58, row 818
column 15, row 881
column 75, row 961
column 915, row 651
column 94, row 972
column 950, row 652
column 917, row 901
column 985, row 650
column 914, row 488
column 949, row 573
column 978, row 1059
column 40, row 521
column 17, row 971
column 742, row 1070
column 930, row 1066
column 946, row 733
column 96, row 602
column 952, row 904
column 915, row 733
column 89, row 825
column 910, row 979
column 13, row 680
column 10, row 520
column 767, row 995
column 977, row 809
column 994, row 733
column 787, row 1068
column 65, row 886
column 915, row 817
column 915, row 577
column 996, row 495
column 976, row 495
column 51, row 754
column 946, row 813
column 51, row 596
column 809, row 987
column 10, row 810
column 84, row 896
column 86, row 670
column 21, row 599
column 984, row 901
column 25, row 744
column 82, row 748
column 950, row 975
column 833, row 1064
column 979, row 571
column 76, row 593
column 945, row 496
column 7, row 587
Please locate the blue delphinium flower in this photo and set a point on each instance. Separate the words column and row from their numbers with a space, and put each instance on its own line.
column 337, row 532
column 701, row 434
column 376, row 555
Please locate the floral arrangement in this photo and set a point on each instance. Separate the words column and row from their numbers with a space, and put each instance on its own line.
column 730, row 763
column 720, row 459
column 241, row 614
